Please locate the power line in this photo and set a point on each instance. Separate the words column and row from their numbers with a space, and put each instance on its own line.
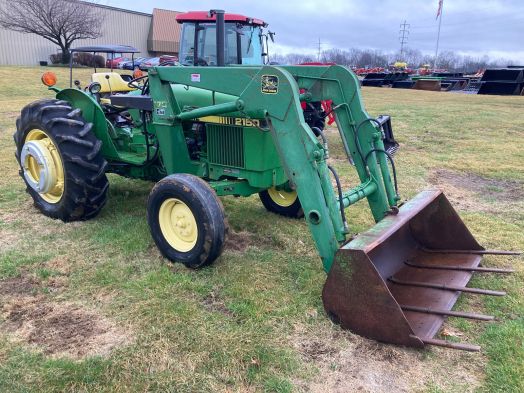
column 403, row 37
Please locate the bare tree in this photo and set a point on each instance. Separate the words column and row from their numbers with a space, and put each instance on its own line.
column 60, row 21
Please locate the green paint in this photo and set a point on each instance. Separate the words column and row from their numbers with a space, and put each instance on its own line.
column 259, row 139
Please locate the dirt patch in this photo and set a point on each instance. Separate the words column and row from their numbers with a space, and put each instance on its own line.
column 316, row 349
column 56, row 329
column 61, row 330
column 470, row 192
column 349, row 363
column 213, row 302
column 21, row 285
column 56, row 284
column 487, row 189
column 239, row 241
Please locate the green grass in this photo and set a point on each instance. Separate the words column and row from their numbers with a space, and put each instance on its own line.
column 238, row 325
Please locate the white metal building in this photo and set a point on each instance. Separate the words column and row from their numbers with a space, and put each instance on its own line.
column 120, row 26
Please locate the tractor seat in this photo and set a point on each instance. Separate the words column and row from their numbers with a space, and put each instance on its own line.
column 114, row 84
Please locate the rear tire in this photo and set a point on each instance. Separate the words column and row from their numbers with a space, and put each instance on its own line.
column 285, row 203
column 81, row 189
column 187, row 220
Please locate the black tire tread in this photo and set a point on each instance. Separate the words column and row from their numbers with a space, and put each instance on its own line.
column 216, row 226
column 86, row 185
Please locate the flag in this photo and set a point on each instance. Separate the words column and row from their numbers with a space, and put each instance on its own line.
column 440, row 3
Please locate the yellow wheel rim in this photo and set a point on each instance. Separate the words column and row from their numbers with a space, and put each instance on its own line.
column 43, row 166
column 281, row 197
column 178, row 224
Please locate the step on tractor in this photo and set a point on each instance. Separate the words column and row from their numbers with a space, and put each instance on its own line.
column 227, row 122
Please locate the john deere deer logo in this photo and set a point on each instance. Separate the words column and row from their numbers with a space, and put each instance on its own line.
column 269, row 84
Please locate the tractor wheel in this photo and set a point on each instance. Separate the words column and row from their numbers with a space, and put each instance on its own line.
column 187, row 220
column 282, row 202
column 60, row 161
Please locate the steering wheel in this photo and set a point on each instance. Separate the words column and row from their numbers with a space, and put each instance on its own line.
column 133, row 83
column 201, row 62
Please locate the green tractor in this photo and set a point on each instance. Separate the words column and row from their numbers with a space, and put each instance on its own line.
column 223, row 123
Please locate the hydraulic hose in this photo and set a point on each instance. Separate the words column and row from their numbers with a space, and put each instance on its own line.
column 365, row 159
column 392, row 162
column 324, row 140
column 357, row 141
column 340, row 196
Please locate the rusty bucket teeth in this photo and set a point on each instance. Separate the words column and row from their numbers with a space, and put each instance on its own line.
column 399, row 281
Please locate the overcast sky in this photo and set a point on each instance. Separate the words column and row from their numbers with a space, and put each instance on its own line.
column 474, row 27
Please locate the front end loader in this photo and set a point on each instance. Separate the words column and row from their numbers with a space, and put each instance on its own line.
column 202, row 132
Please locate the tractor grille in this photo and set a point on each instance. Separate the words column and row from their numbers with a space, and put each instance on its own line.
column 225, row 145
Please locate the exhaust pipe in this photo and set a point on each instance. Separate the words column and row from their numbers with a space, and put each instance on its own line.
column 221, row 35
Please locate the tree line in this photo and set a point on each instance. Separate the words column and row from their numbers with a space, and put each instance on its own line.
column 369, row 58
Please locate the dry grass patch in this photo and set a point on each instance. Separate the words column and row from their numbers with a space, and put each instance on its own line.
column 349, row 363
column 8, row 240
column 471, row 192
column 501, row 190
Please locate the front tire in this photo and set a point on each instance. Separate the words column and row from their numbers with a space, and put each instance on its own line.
column 60, row 161
column 187, row 220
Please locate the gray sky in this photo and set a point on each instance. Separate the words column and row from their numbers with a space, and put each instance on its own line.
column 492, row 27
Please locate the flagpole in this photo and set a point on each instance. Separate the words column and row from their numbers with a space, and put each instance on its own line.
column 438, row 34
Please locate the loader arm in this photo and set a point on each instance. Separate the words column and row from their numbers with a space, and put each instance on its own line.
column 272, row 93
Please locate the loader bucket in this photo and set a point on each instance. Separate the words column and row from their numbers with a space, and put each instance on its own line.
column 398, row 281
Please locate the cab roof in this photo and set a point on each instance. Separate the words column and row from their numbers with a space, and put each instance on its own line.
column 203, row 16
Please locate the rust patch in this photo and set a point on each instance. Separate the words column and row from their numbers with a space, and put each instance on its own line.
column 61, row 329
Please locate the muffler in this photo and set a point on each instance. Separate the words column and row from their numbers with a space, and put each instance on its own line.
column 398, row 281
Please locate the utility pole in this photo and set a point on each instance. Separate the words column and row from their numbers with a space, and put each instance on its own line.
column 439, row 15
column 319, row 49
column 403, row 37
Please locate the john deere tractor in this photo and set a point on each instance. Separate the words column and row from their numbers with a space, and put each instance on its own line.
column 223, row 123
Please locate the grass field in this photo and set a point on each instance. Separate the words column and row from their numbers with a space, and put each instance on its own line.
column 93, row 307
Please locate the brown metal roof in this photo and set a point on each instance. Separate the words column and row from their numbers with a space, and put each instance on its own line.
column 164, row 36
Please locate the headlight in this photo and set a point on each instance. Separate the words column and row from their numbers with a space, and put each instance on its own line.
column 95, row 87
